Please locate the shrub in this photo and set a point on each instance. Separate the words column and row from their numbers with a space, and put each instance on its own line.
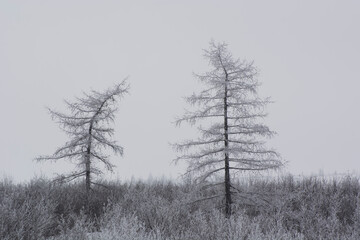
column 283, row 208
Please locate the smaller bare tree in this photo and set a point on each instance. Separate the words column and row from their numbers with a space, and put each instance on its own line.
column 88, row 128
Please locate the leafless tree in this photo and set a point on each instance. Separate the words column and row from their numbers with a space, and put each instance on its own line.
column 90, row 133
column 232, row 136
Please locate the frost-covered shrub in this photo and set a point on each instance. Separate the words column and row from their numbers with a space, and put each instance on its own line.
column 290, row 208
column 116, row 225
column 25, row 211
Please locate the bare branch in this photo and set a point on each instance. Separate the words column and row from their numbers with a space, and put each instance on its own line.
column 208, row 174
column 201, row 154
column 199, row 142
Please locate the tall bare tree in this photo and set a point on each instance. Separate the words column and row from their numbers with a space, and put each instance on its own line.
column 89, row 130
column 231, row 135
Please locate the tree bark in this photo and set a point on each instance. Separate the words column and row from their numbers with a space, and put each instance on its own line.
column 87, row 169
column 226, row 157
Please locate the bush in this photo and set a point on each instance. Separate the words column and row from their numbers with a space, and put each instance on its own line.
column 284, row 208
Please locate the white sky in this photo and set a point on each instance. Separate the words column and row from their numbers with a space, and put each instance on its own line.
column 307, row 51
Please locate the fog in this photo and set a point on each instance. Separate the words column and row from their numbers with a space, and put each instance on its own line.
column 307, row 53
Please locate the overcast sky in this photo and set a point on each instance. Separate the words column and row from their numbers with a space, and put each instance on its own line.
column 307, row 52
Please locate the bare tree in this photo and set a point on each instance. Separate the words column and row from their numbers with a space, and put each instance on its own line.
column 87, row 126
column 232, row 139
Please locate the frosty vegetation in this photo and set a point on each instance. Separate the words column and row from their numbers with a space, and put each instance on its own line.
column 233, row 141
column 309, row 208
column 88, row 128
column 210, row 203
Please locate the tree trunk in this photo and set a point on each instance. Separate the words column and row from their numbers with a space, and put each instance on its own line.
column 88, row 158
column 87, row 174
column 226, row 141
column 87, row 169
